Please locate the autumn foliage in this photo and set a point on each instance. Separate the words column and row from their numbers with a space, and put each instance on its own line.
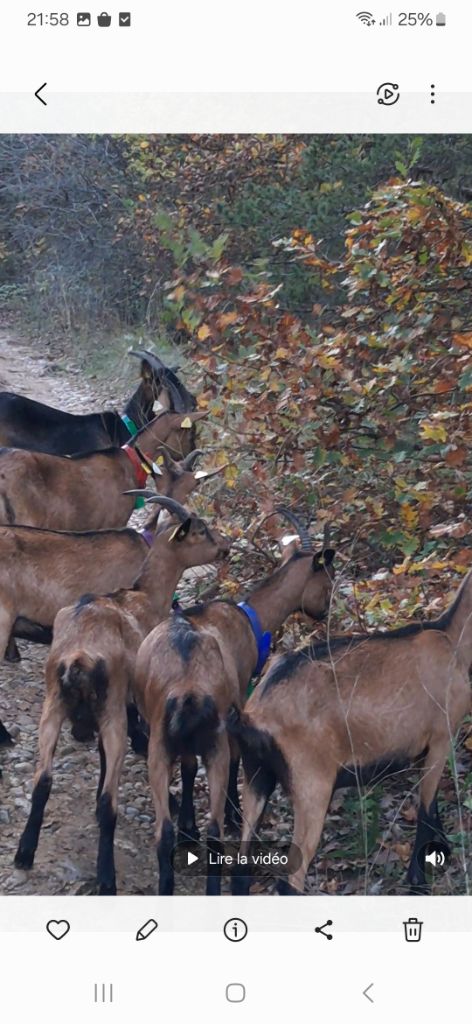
column 360, row 415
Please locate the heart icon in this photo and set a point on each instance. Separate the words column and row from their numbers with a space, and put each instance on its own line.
column 58, row 929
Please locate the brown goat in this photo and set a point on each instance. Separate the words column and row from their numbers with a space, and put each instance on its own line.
column 87, row 492
column 192, row 668
column 353, row 711
column 89, row 672
column 42, row 571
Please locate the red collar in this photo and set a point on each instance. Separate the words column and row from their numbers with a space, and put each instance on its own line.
column 142, row 471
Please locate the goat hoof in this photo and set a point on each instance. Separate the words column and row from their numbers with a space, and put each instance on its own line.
column 5, row 738
column 24, row 859
column 14, row 658
column 240, row 885
column 105, row 889
column 285, row 889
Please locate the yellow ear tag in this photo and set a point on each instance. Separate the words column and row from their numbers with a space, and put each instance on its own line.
column 158, row 406
column 160, row 460
column 186, row 423
column 156, row 469
column 174, row 534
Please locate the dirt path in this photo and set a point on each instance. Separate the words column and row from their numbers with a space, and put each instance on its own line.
column 65, row 860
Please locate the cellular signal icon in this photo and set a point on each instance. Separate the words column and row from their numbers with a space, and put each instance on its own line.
column 388, row 20
column 366, row 18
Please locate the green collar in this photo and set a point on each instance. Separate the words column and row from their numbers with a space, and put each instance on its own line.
column 129, row 425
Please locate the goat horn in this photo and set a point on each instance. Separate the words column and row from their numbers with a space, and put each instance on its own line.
column 171, row 505
column 302, row 531
column 146, row 493
column 150, row 357
column 182, row 400
column 191, row 458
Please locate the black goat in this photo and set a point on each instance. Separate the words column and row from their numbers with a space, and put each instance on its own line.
column 25, row 423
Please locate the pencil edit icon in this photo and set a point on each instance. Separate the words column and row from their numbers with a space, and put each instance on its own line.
column 146, row 930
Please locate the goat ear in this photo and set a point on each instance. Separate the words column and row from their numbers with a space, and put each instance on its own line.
column 181, row 531
column 206, row 474
column 289, row 544
column 322, row 559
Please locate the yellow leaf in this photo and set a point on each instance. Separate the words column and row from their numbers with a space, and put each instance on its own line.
column 186, row 423
column 203, row 332
column 409, row 516
column 144, row 145
column 433, row 431
column 282, row 353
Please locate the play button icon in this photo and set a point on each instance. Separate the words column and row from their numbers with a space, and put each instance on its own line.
column 191, row 858
column 388, row 94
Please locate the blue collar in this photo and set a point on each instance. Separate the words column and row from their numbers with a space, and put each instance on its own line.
column 263, row 640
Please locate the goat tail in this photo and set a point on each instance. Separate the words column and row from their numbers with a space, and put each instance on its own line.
column 83, row 683
column 191, row 725
column 263, row 761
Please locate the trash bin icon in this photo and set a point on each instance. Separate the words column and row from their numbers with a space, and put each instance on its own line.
column 413, row 929
column 104, row 20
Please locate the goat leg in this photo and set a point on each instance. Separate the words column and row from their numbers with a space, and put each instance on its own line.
column 217, row 768
column 254, row 802
column 428, row 827
column 159, row 770
column 137, row 731
column 12, row 653
column 188, row 830
column 49, row 728
column 233, row 817
column 103, row 768
column 5, row 738
column 311, row 799
column 113, row 739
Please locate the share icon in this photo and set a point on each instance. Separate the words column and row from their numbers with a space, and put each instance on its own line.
column 321, row 929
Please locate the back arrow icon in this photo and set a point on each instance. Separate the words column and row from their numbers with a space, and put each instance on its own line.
column 40, row 98
column 366, row 991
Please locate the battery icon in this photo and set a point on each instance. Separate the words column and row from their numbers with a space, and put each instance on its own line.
column 441, row 19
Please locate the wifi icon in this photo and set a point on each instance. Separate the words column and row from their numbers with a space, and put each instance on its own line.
column 366, row 18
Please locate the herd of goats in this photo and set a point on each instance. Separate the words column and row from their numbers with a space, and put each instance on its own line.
column 127, row 661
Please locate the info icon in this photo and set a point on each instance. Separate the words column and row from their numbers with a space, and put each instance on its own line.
column 235, row 929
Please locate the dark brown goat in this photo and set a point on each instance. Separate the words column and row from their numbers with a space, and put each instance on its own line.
column 354, row 711
column 87, row 492
column 192, row 668
column 89, row 672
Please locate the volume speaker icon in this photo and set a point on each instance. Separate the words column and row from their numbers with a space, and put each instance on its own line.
column 366, row 18
column 437, row 858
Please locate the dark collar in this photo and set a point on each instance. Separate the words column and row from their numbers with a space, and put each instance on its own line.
column 263, row 640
